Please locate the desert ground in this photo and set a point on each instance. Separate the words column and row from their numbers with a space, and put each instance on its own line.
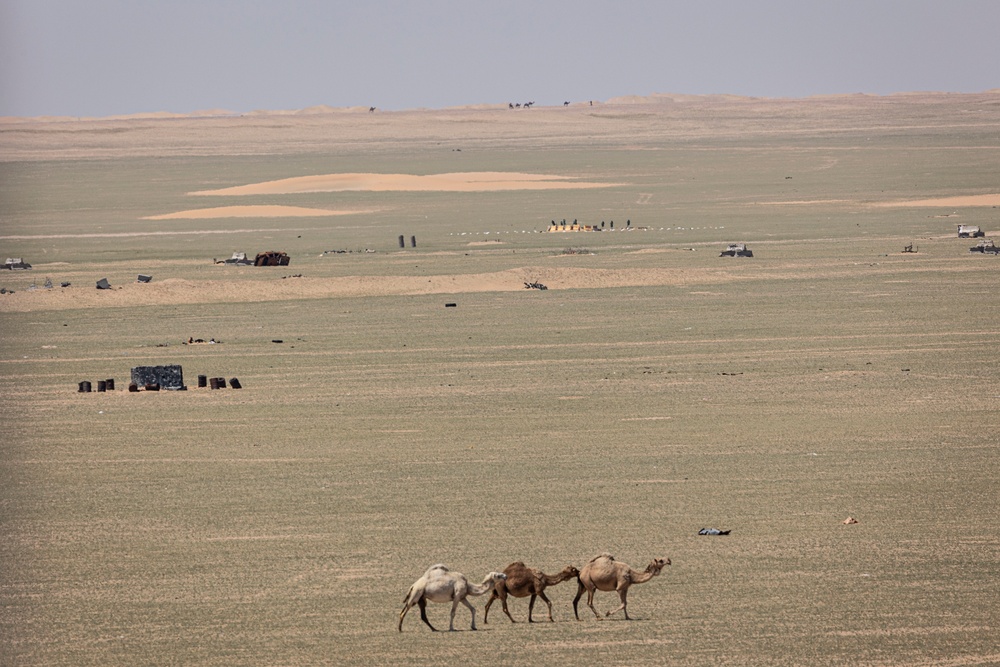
column 410, row 404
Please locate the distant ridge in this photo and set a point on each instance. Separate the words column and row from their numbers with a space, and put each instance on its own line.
column 653, row 98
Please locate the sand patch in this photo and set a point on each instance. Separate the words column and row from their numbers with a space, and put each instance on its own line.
column 483, row 181
column 966, row 200
column 806, row 202
column 273, row 211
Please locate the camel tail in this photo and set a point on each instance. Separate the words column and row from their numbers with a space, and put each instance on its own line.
column 406, row 598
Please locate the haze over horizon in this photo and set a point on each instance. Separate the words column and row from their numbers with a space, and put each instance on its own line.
column 114, row 57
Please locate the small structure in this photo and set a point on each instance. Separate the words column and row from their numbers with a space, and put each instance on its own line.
column 103, row 284
column 238, row 259
column 143, row 278
column 986, row 246
column 572, row 227
column 16, row 264
column 736, row 250
column 165, row 377
column 271, row 258
column 969, row 232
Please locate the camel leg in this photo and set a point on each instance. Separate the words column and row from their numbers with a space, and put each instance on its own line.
column 541, row 594
column 590, row 602
column 422, row 603
column 623, row 594
column 503, row 601
column 454, row 608
column 579, row 594
column 486, row 610
column 471, row 609
column 531, row 605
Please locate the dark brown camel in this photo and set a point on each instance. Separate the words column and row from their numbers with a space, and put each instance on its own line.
column 604, row 573
column 523, row 581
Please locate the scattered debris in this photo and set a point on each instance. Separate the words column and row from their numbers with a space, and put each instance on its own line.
column 102, row 386
column 297, row 275
column 64, row 283
column 450, row 305
column 277, row 340
column 16, row 264
column 238, row 259
column 909, row 248
column 197, row 341
column 849, row 521
column 534, row 285
column 736, row 250
column 168, row 377
column 345, row 252
column 986, row 246
column 271, row 258
column 713, row 531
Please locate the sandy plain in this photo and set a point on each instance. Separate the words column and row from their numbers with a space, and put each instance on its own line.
column 654, row 389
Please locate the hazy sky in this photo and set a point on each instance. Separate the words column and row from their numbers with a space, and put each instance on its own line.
column 104, row 57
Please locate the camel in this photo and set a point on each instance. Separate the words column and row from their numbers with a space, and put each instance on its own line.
column 523, row 581
column 604, row 573
column 439, row 584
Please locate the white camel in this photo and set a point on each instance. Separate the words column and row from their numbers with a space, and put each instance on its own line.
column 439, row 584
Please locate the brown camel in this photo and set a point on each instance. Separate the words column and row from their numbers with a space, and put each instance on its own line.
column 523, row 581
column 604, row 573
column 439, row 584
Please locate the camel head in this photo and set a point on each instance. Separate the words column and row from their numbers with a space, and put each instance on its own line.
column 570, row 572
column 497, row 576
column 657, row 564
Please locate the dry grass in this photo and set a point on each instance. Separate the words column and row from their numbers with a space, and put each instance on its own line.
column 654, row 389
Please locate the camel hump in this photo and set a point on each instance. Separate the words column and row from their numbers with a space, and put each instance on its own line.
column 517, row 563
column 438, row 566
column 600, row 556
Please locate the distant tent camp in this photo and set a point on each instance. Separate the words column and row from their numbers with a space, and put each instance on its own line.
column 13, row 263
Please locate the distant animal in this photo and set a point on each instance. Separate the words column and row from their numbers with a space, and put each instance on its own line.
column 439, row 584
column 565, row 104
column 371, row 109
column 604, row 573
column 523, row 581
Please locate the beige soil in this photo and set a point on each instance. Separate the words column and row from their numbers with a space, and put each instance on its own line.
column 957, row 202
column 455, row 182
column 273, row 211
